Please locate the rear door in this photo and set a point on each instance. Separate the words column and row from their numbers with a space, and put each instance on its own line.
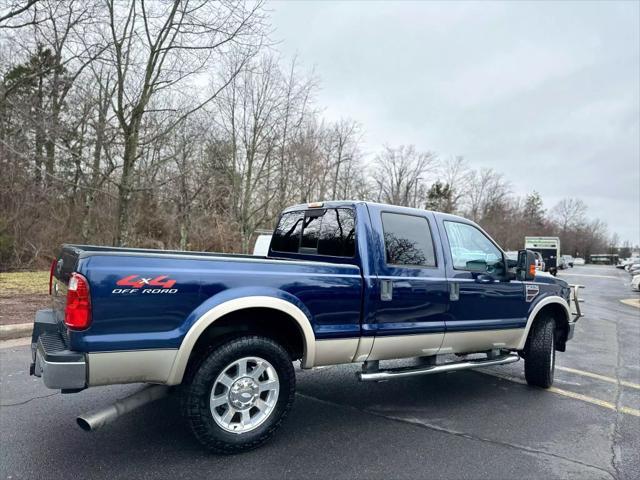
column 413, row 297
column 486, row 309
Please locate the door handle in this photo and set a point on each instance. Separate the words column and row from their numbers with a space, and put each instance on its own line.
column 454, row 292
column 386, row 290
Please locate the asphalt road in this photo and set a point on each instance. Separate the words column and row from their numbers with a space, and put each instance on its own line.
column 469, row 424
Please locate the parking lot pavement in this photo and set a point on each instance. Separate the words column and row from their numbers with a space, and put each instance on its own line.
column 473, row 424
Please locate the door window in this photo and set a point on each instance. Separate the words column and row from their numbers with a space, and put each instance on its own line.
column 407, row 240
column 468, row 244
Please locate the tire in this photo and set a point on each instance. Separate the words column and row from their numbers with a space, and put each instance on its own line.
column 540, row 353
column 239, row 394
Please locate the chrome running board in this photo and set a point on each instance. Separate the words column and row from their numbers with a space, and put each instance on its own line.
column 379, row 375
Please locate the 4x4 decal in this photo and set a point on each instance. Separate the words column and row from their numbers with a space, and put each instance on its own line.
column 136, row 282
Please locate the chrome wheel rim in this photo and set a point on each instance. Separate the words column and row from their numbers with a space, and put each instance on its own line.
column 244, row 395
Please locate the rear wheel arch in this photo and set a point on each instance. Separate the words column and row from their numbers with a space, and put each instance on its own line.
column 242, row 316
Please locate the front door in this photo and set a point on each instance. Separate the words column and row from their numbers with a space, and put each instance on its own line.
column 413, row 295
column 486, row 310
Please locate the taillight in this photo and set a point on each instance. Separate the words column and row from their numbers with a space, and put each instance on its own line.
column 53, row 269
column 77, row 314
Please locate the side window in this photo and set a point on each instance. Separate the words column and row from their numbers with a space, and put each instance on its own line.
column 469, row 244
column 338, row 233
column 286, row 237
column 328, row 232
column 407, row 240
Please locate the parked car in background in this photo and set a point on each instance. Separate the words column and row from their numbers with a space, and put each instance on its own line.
column 578, row 261
column 635, row 283
column 568, row 259
column 540, row 266
column 630, row 262
column 562, row 263
column 634, row 269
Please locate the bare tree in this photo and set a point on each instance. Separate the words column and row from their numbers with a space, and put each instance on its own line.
column 400, row 175
column 297, row 100
column 456, row 175
column 15, row 9
column 251, row 110
column 343, row 138
column 167, row 46
column 101, row 127
column 569, row 212
column 486, row 191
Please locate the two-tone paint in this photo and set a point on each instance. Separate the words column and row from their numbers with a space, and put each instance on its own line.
column 339, row 304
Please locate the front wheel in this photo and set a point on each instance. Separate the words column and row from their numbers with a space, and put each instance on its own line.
column 540, row 353
column 239, row 394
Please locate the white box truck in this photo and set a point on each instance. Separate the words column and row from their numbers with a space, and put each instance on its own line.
column 549, row 248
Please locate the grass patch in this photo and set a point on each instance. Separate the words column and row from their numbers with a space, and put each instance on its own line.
column 24, row 282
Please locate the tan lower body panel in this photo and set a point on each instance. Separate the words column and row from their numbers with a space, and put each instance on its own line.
column 152, row 366
column 335, row 351
column 365, row 344
column 405, row 346
column 461, row 342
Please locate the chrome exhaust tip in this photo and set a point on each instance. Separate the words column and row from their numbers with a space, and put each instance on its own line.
column 92, row 421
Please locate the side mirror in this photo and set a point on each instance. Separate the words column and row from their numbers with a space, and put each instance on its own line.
column 478, row 266
column 526, row 267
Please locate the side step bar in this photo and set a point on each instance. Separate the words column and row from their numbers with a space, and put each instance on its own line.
column 379, row 375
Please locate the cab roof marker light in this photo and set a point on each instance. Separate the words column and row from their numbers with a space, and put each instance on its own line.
column 315, row 204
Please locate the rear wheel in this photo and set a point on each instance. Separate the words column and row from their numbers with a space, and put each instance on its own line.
column 239, row 394
column 540, row 353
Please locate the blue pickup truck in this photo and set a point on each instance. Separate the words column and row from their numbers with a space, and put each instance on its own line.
column 343, row 282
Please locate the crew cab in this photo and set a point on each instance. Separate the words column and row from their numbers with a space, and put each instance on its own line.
column 343, row 282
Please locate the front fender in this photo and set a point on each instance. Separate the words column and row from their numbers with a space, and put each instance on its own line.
column 537, row 307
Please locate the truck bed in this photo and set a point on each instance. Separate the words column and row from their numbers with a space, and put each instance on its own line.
column 131, row 312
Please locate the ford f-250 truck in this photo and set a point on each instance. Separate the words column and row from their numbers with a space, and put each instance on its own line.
column 343, row 282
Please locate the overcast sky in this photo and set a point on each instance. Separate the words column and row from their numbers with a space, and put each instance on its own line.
column 547, row 93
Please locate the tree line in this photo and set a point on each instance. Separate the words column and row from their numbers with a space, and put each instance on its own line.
column 176, row 124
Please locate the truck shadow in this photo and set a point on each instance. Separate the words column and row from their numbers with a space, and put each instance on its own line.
column 337, row 427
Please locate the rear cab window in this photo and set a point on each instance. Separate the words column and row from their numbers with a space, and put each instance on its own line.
column 326, row 232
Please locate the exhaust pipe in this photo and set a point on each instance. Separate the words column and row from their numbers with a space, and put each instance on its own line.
column 92, row 421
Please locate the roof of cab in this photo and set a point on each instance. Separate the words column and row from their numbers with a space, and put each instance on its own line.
column 373, row 206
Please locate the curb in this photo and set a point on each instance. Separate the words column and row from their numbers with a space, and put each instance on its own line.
column 16, row 330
